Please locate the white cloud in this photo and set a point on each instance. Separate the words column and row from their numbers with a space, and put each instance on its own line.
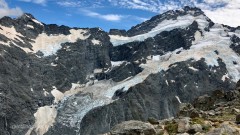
column 69, row 3
column 220, row 11
column 81, row 3
column 6, row 11
column 111, row 17
column 148, row 5
column 42, row 2
column 228, row 14
column 108, row 17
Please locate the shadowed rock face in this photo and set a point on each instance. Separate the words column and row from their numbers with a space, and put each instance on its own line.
column 166, row 41
column 23, row 77
column 118, row 32
column 235, row 44
column 27, row 79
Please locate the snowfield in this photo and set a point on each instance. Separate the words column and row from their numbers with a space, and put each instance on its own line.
column 49, row 45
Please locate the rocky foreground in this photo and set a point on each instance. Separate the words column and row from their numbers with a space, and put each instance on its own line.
column 216, row 114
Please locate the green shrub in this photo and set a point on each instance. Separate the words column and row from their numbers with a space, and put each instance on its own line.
column 171, row 127
column 206, row 128
column 198, row 120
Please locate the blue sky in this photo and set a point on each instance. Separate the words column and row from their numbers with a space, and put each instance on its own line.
column 120, row 14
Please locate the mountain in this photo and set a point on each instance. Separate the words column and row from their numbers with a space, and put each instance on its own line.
column 84, row 81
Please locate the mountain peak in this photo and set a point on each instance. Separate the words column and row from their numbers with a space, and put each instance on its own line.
column 193, row 9
column 28, row 15
column 171, row 14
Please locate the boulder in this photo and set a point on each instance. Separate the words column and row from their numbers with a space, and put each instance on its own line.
column 187, row 110
column 199, row 133
column 238, row 119
column 224, row 129
column 196, row 128
column 133, row 128
column 183, row 125
column 238, row 85
column 194, row 114
column 211, row 113
column 183, row 134
column 235, row 111
column 230, row 95
column 204, row 102
column 218, row 94
column 153, row 121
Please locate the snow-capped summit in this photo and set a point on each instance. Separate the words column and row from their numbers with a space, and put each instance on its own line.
column 169, row 15
column 165, row 22
column 26, row 16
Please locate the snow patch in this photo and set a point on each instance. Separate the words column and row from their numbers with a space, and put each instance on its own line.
column 172, row 81
column 197, row 36
column 117, row 63
column 10, row 33
column 57, row 94
column 225, row 77
column 49, row 45
column 36, row 21
column 3, row 43
column 194, row 69
column 76, row 87
column 96, row 42
column 97, row 71
column 30, row 26
column 156, row 58
column 45, row 92
column 54, row 65
column 44, row 119
column 178, row 99
column 167, row 82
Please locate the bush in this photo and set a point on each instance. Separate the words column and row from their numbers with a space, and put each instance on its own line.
column 198, row 120
column 206, row 128
column 171, row 127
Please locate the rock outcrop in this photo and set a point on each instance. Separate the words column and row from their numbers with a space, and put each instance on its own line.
column 133, row 128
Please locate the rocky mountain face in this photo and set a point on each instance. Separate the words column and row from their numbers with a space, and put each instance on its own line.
column 84, row 81
column 215, row 114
